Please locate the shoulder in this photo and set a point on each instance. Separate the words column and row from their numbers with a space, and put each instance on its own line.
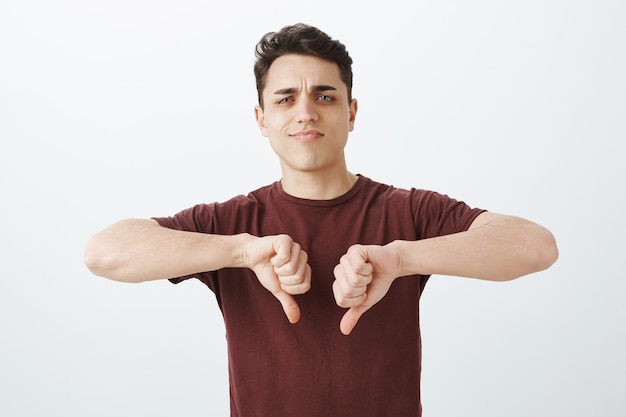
column 204, row 217
column 251, row 199
column 432, row 211
column 417, row 195
column 391, row 192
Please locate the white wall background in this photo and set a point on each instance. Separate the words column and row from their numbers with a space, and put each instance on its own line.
column 140, row 108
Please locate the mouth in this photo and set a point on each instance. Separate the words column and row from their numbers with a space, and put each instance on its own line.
column 307, row 135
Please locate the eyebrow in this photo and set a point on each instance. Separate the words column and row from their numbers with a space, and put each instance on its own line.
column 315, row 89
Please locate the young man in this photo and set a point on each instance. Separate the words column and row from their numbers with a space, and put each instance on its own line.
column 344, row 256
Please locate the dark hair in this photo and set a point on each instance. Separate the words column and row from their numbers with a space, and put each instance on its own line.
column 300, row 39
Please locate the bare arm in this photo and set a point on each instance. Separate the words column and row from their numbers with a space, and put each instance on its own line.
column 496, row 247
column 136, row 250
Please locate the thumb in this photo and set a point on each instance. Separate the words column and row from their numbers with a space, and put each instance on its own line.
column 290, row 307
column 351, row 317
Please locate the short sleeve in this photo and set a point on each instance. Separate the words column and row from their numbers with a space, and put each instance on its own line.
column 437, row 214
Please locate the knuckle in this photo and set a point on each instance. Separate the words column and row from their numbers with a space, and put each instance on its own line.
column 284, row 238
column 305, row 286
column 340, row 300
column 301, row 289
column 296, row 289
column 346, row 296
column 287, row 269
column 289, row 279
column 354, row 280
column 347, row 302
column 338, row 271
column 355, row 250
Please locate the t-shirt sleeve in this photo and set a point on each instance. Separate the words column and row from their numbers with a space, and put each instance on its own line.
column 437, row 214
column 195, row 219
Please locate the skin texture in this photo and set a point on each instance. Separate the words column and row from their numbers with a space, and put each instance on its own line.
column 496, row 248
column 307, row 118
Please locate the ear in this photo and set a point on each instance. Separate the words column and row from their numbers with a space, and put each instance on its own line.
column 353, row 108
column 260, row 119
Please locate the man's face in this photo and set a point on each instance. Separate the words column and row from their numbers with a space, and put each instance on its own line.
column 306, row 116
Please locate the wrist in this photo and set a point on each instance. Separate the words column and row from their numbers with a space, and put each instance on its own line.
column 407, row 257
column 239, row 250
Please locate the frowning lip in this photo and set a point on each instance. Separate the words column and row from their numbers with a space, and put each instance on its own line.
column 307, row 135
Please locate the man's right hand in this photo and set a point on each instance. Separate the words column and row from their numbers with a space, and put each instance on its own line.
column 281, row 266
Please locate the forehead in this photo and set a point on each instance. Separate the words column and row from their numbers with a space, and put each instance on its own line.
column 294, row 71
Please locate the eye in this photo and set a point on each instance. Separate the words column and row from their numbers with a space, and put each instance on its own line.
column 324, row 97
column 285, row 100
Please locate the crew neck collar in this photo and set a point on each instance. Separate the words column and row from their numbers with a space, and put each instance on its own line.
column 321, row 203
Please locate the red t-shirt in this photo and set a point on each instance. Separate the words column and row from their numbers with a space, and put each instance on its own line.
column 310, row 369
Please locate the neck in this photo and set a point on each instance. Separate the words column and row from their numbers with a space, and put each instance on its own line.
column 314, row 186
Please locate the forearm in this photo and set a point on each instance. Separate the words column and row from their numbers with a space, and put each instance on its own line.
column 136, row 250
column 502, row 249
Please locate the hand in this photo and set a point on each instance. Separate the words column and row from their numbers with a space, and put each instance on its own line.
column 281, row 267
column 362, row 278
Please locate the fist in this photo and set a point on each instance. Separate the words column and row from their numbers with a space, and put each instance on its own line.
column 281, row 266
column 362, row 278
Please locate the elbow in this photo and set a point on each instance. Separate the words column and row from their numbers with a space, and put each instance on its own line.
column 542, row 252
column 103, row 261
column 96, row 259
column 547, row 252
column 536, row 254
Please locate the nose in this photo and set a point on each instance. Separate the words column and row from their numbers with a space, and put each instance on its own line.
column 305, row 111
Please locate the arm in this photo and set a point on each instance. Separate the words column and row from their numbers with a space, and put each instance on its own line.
column 136, row 250
column 495, row 247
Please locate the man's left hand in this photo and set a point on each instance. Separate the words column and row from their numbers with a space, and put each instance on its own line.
column 362, row 278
